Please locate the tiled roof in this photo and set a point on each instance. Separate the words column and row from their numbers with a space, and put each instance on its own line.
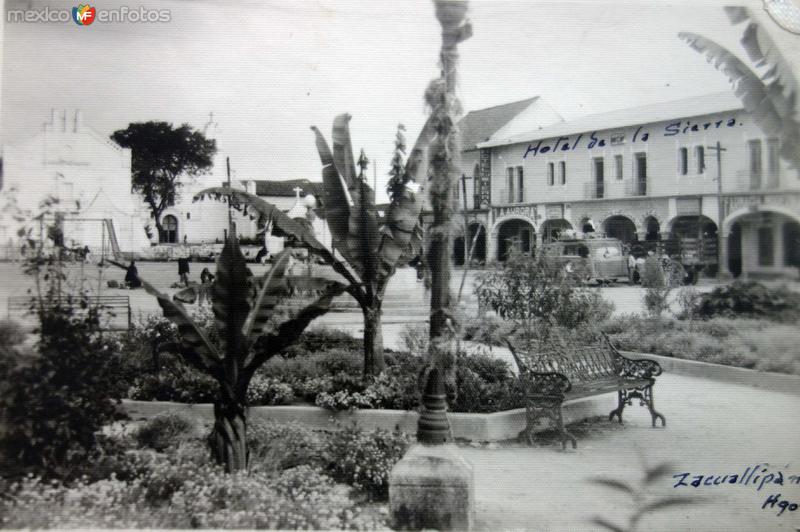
column 657, row 112
column 286, row 188
column 478, row 126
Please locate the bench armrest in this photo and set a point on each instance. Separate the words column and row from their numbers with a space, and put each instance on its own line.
column 642, row 368
column 536, row 383
column 639, row 368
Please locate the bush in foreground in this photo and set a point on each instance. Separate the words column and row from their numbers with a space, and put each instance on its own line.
column 301, row 479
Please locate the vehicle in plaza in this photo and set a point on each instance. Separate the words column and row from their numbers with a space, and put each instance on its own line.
column 601, row 260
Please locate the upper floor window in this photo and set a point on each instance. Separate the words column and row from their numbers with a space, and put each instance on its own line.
column 551, row 174
column 773, row 162
column 618, row 166
column 562, row 172
column 754, row 150
column 700, row 158
column 520, row 185
column 683, row 161
column 510, row 183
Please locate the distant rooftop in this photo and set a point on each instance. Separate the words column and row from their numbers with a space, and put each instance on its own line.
column 286, row 188
column 479, row 126
column 657, row 112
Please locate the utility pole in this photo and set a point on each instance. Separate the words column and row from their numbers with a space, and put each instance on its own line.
column 722, row 255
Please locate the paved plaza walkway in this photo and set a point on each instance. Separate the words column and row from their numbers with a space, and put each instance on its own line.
column 712, row 428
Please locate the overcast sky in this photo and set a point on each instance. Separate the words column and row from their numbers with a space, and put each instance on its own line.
column 270, row 69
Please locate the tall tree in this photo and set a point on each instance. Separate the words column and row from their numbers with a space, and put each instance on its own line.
column 162, row 154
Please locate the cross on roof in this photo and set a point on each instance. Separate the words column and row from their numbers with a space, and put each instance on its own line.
column 297, row 191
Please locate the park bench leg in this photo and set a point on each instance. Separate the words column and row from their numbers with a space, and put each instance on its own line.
column 620, row 407
column 565, row 435
column 547, row 408
column 654, row 414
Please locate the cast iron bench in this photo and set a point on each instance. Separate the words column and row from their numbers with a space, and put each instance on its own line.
column 115, row 311
column 550, row 378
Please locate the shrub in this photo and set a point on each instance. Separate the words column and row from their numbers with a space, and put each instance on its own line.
column 54, row 406
column 164, row 431
column 687, row 299
column 656, row 300
column 321, row 340
column 266, row 391
column 537, row 296
column 176, row 381
column 279, row 446
column 750, row 299
column 364, row 459
column 414, row 338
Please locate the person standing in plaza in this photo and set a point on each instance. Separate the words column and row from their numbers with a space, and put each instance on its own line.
column 183, row 270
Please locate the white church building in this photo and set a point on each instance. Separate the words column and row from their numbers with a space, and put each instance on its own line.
column 89, row 174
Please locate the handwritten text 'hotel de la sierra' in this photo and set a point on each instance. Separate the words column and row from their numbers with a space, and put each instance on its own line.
column 593, row 140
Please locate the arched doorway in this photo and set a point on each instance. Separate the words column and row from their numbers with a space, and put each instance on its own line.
column 169, row 230
column 652, row 229
column 620, row 227
column 517, row 235
column 693, row 227
column 552, row 229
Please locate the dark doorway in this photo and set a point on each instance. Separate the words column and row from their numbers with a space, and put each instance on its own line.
column 791, row 244
column 553, row 229
column 515, row 235
column 735, row 250
column 652, row 229
column 620, row 227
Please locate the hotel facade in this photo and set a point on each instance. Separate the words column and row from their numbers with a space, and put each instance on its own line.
column 641, row 174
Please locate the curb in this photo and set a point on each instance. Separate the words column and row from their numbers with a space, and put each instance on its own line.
column 774, row 382
column 493, row 427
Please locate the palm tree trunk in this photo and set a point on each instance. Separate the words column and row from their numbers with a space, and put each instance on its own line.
column 229, row 439
column 374, row 362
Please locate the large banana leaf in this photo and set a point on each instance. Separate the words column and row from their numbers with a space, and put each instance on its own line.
column 349, row 207
column 337, row 196
column 287, row 332
column 343, row 152
column 763, row 49
column 195, row 346
column 273, row 287
column 230, row 291
column 771, row 108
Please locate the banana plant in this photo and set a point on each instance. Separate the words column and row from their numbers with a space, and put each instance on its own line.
column 243, row 309
column 773, row 98
column 372, row 247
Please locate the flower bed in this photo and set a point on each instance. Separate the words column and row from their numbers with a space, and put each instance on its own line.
column 325, row 369
column 299, row 479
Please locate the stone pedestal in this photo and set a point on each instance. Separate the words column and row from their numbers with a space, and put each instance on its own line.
column 432, row 487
